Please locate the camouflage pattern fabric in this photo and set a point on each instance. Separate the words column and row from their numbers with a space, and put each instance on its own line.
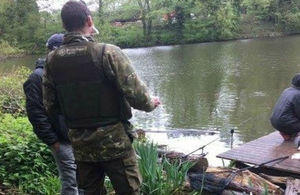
column 123, row 173
column 119, row 68
column 109, row 142
column 101, row 144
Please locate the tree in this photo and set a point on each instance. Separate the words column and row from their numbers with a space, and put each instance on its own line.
column 4, row 19
column 100, row 12
column 145, row 17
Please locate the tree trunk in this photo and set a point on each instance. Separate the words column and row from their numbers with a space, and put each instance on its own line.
column 149, row 21
column 149, row 29
column 146, row 21
column 100, row 12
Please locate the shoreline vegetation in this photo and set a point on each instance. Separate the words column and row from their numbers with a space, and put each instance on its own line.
column 24, row 28
column 14, row 52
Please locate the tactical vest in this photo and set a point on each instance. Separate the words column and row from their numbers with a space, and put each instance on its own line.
column 86, row 97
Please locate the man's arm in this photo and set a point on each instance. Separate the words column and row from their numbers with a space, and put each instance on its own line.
column 133, row 89
column 49, row 92
column 296, row 107
column 36, row 111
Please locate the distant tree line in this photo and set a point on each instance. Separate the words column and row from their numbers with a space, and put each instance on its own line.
column 132, row 23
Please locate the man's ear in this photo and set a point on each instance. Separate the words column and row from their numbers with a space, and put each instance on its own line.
column 90, row 22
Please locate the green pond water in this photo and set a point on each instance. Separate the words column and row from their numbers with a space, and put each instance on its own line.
column 210, row 86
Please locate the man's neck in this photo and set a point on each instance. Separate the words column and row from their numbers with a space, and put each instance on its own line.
column 85, row 32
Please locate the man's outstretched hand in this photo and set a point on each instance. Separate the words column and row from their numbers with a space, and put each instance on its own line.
column 156, row 101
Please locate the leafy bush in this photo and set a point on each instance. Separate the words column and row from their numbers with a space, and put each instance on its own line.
column 12, row 98
column 125, row 36
column 166, row 37
column 160, row 178
column 129, row 36
column 8, row 50
column 290, row 22
column 25, row 162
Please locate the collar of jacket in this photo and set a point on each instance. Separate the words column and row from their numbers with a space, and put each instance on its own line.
column 76, row 37
column 40, row 63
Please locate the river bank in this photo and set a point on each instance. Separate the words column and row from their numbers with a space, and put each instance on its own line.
column 8, row 56
column 19, row 53
column 131, row 37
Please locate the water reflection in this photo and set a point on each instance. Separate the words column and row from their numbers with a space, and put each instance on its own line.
column 216, row 86
column 10, row 64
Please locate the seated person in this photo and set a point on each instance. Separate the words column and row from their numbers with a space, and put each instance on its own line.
column 286, row 113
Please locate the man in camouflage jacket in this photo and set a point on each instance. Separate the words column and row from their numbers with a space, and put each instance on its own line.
column 94, row 86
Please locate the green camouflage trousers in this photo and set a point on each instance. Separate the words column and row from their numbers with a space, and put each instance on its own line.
column 123, row 173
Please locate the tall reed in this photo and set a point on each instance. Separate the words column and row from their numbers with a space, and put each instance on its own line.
column 160, row 177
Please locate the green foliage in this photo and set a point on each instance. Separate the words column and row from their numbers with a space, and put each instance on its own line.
column 290, row 22
column 129, row 36
column 24, row 28
column 125, row 36
column 20, row 19
column 25, row 162
column 12, row 98
column 159, row 178
column 165, row 37
column 8, row 49
column 257, row 8
column 135, row 23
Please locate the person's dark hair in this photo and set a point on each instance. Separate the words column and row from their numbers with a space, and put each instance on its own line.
column 296, row 80
column 74, row 14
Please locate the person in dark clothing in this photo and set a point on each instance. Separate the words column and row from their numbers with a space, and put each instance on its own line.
column 286, row 113
column 51, row 129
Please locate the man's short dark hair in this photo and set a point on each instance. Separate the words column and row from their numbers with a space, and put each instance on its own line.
column 74, row 15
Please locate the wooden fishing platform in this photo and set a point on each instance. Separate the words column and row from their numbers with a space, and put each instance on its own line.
column 267, row 148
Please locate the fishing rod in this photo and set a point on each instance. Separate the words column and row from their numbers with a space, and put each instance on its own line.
column 192, row 131
column 229, row 179
column 232, row 175
column 201, row 148
column 277, row 160
column 232, row 131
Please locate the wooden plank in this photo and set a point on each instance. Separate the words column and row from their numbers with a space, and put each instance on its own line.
column 266, row 148
column 292, row 187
